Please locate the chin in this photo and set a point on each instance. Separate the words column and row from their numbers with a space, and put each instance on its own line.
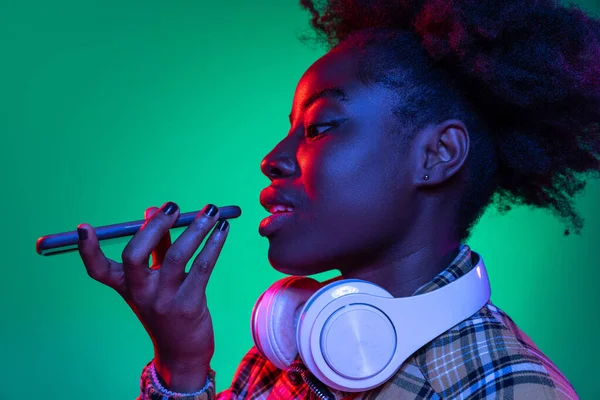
column 291, row 260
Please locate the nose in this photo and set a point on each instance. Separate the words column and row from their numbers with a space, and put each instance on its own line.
column 278, row 164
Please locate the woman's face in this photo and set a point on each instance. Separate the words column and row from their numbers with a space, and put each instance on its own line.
column 340, row 171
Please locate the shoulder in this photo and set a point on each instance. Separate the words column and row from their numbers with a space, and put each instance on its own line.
column 488, row 355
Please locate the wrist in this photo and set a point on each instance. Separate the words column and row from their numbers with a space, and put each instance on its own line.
column 182, row 377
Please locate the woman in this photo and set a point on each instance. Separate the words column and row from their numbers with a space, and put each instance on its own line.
column 420, row 116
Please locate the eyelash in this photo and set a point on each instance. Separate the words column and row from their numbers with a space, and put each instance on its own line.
column 313, row 129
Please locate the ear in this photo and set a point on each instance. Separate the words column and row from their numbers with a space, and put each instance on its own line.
column 441, row 151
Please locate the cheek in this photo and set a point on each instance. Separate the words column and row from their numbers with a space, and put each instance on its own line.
column 342, row 173
column 356, row 194
column 314, row 162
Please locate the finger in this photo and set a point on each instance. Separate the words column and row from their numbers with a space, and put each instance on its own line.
column 172, row 271
column 99, row 267
column 137, row 252
column 158, row 254
column 150, row 211
column 204, row 263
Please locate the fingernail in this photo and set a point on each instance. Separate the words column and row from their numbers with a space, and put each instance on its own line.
column 222, row 225
column 82, row 233
column 169, row 208
column 211, row 210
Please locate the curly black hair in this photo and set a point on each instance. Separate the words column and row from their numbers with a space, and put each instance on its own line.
column 524, row 75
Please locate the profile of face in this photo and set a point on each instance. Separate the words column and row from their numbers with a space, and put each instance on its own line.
column 341, row 187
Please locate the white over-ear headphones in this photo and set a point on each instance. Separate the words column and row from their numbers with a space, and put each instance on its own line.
column 352, row 334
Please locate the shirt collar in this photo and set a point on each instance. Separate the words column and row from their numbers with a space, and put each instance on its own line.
column 457, row 268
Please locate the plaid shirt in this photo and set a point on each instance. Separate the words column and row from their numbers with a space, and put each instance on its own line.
column 485, row 356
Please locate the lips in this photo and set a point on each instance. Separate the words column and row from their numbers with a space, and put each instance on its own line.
column 275, row 201
column 281, row 208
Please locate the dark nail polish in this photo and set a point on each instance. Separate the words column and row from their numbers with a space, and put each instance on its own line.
column 222, row 225
column 211, row 210
column 82, row 233
column 169, row 208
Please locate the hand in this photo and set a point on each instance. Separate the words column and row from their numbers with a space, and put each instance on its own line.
column 170, row 303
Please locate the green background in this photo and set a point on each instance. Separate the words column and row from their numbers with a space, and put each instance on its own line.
column 108, row 107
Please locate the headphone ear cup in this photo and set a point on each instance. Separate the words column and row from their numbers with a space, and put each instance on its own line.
column 343, row 343
column 273, row 327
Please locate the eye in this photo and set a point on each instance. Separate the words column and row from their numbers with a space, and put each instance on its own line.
column 315, row 131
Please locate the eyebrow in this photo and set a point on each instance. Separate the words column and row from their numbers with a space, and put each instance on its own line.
column 333, row 92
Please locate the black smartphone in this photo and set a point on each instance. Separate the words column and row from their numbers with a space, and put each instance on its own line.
column 65, row 242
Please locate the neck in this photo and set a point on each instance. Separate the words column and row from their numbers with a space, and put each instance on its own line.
column 404, row 271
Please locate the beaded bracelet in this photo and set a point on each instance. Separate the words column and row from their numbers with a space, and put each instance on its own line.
column 165, row 392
